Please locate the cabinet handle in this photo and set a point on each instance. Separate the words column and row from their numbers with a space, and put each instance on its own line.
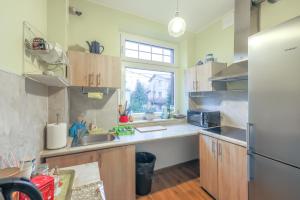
column 90, row 78
column 220, row 150
column 194, row 85
column 100, row 161
column 99, row 79
column 214, row 149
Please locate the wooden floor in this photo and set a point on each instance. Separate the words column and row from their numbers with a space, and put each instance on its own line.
column 177, row 183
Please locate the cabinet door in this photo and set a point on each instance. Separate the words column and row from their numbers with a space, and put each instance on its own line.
column 78, row 73
column 117, row 171
column 95, row 64
column 73, row 159
column 108, row 72
column 203, row 75
column 232, row 171
column 190, row 80
column 209, row 165
column 116, row 167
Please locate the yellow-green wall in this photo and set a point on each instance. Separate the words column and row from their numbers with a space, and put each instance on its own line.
column 216, row 40
column 58, row 21
column 219, row 41
column 12, row 15
column 274, row 14
column 105, row 25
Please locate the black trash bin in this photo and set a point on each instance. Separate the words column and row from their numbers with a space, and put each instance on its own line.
column 144, row 172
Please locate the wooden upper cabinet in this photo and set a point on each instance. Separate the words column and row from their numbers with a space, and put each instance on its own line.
column 110, row 76
column 209, row 164
column 93, row 70
column 197, row 78
column 78, row 69
column 190, row 80
column 232, row 172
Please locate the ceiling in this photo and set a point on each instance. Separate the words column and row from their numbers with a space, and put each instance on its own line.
column 197, row 13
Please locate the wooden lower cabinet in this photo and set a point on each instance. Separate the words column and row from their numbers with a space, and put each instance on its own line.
column 116, row 166
column 223, row 169
column 209, row 165
column 232, row 172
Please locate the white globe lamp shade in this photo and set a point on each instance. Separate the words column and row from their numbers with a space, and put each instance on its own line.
column 177, row 26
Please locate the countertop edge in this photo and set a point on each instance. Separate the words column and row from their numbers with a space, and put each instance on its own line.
column 224, row 138
column 73, row 150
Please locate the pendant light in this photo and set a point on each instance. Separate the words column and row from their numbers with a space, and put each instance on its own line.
column 177, row 25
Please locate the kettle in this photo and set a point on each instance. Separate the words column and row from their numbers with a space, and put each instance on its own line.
column 10, row 185
column 95, row 47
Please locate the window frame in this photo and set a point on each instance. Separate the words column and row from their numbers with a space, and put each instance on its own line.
column 143, row 66
column 147, row 41
column 151, row 46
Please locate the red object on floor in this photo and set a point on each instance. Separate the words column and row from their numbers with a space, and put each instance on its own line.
column 45, row 184
column 123, row 119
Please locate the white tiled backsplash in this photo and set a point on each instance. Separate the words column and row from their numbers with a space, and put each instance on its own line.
column 233, row 106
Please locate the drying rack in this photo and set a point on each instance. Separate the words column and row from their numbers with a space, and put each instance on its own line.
column 51, row 57
column 51, row 51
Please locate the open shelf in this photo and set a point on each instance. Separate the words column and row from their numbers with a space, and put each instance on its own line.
column 49, row 80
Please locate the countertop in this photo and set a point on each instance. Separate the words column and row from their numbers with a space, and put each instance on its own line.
column 233, row 137
column 173, row 131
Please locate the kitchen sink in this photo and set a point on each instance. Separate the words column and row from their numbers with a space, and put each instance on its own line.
column 93, row 139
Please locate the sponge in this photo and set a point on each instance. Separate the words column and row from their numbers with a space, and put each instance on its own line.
column 95, row 95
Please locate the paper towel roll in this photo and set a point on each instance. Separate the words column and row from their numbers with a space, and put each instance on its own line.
column 56, row 135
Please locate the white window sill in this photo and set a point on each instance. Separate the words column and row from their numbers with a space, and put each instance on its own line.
column 155, row 122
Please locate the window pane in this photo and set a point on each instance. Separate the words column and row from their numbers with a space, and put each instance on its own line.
column 167, row 59
column 145, row 56
column 157, row 50
column 156, row 57
column 131, row 54
column 145, row 48
column 167, row 52
column 149, row 91
column 131, row 45
column 148, row 52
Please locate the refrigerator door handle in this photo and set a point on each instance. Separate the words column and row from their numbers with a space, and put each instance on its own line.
column 250, row 167
column 250, row 138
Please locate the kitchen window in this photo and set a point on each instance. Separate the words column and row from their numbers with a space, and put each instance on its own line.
column 148, row 90
column 148, row 52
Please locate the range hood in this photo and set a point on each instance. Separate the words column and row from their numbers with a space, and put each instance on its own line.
column 246, row 23
column 235, row 72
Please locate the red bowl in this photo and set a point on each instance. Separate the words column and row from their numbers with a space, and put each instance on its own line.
column 123, row 119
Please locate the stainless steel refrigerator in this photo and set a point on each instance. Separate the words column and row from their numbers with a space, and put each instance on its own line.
column 274, row 113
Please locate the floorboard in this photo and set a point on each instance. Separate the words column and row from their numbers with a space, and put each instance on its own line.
column 180, row 182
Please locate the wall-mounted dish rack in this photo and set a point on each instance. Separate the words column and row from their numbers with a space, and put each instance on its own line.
column 49, row 52
column 50, row 55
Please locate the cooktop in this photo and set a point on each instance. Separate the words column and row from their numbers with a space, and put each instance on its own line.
column 228, row 131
